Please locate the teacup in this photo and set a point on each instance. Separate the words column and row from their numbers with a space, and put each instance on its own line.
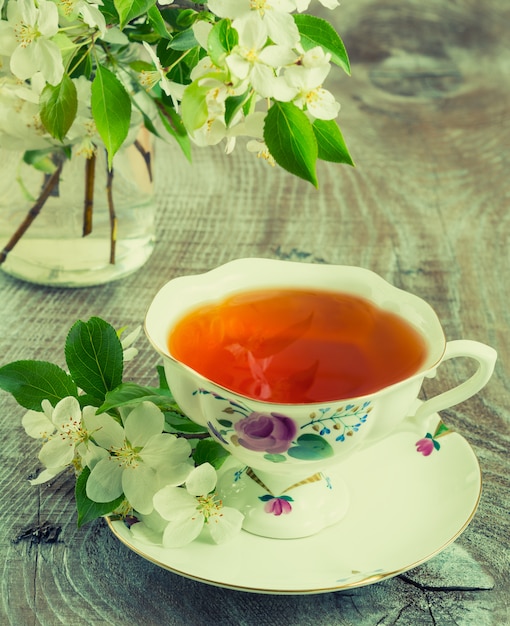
column 284, row 476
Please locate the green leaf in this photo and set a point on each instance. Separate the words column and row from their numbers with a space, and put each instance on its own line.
column 221, row 40
column 289, row 136
column 233, row 104
column 31, row 382
column 111, row 110
column 130, row 9
column 185, row 40
column 331, row 142
column 178, row 422
column 316, row 31
column 58, row 107
column 209, row 451
column 157, row 22
column 131, row 394
column 81, row 63
column 163, row 383
column 41, row 160
column 172, row 121
column 194, row 106
column 94, row 357
column 109, row 11
column 89, row 510
column 186, row 18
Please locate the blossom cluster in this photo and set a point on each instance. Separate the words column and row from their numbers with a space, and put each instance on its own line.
column 135, row 455
column 134, row 464
column 86, row 73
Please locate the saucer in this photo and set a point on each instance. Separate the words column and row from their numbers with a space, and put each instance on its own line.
column 408, row 503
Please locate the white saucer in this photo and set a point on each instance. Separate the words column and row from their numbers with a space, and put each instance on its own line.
column 405, row 508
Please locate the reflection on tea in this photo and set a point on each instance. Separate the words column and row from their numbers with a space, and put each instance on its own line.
column 297, row 346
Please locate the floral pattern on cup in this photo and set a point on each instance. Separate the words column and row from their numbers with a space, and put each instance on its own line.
column 276, row 434
column 277, row 505
column 266, row 432
column 280, row 504
column 426, row 445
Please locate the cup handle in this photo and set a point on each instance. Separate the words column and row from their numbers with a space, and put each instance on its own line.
column 486, row 357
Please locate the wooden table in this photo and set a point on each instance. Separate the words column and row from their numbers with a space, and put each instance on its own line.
column 426, row 115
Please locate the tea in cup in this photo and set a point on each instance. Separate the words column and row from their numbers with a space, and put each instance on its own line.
column 295, row 367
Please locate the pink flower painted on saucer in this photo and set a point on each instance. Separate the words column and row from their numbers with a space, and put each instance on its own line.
column 429, row 443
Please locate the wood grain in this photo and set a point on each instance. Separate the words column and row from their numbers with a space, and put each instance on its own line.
column 426, row 115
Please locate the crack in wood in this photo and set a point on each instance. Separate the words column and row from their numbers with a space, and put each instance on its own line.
column 443, row 588
column 44, row 533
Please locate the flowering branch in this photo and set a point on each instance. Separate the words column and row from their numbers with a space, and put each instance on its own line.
column 205, row 73
column 51, row 184
column 85, row 75
column 131, row 447
column 90, row 168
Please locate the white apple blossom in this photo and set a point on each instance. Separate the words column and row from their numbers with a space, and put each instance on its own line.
column 273, row 15
column 20, row 122
column 189, row 510
column 148, row 79
column 310, row 96
column 261, row 150
column 140, row 460
column 128, row 351
column 302, row 5
column 89, row 11
column 64, row 433
column 252, row 59
column 26, row 37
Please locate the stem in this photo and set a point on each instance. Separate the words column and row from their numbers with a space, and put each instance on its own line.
column 113, row 217
column 146, row 156
column 88, row 205
column 50, row 185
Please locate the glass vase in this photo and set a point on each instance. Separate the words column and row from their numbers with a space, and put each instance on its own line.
column 78, row 223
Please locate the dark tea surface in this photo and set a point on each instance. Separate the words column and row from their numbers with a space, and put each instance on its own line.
column 295, row 346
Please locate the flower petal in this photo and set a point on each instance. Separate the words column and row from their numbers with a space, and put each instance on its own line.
column 47, row 474
column 105, row 431
column 282, row 28
column 142, row 532
column 226, row 525
column 138, row 484
column 91, row 454
column 105, row 481
column 66, row 410
column 202, row 480
column 143, row 422
column 56, row 452
column 165, row 448
column 37, row 424
column 174, row 503
column 182, row 532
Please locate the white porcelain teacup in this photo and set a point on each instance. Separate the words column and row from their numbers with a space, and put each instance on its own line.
column 285, row 453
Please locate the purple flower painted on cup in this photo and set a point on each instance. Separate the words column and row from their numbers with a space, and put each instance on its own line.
column 266, row 432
